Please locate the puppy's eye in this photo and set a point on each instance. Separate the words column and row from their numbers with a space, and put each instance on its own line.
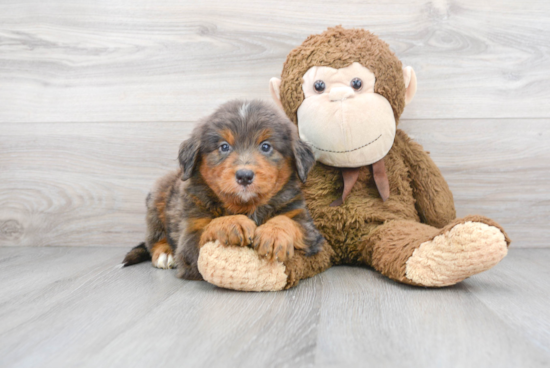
column 265, row 147
column 224, row 148
column 319, row 86
column 356, row 84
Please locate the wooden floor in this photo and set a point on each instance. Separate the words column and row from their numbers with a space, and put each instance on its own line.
column 74, row 307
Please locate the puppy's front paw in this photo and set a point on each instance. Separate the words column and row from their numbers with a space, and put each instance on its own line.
column 162, row 255
column 164, row 260
column 229, row 230
column 277, row 238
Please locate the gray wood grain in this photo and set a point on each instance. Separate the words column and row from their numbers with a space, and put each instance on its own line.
column 173, row 60
column 529, row 281
column 85, row 184
column 85, row 311
column 495, row 167
column 387, row 324
column 81, row 184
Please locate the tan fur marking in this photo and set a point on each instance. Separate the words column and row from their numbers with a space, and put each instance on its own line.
column 264, row 135
column 159, row 248
column 229, row 230
column 221, row 179
column 278, row 237
column 294, row 213
column 269, row 179
column 197, row 224
column 228, row 136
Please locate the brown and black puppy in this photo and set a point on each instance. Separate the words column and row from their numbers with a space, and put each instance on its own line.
column 239, row 183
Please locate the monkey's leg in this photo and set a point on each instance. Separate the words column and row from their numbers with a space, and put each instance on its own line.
column 240, row 268
column 418, row 254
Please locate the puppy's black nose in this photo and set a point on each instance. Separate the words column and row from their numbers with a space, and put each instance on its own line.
column 244, row 177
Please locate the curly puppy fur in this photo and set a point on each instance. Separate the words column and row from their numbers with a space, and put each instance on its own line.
column 206, row 200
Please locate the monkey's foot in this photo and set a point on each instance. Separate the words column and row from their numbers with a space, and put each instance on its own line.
column 464, row 250
column 240, row 268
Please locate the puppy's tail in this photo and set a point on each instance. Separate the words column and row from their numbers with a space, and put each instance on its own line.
column 136, row 255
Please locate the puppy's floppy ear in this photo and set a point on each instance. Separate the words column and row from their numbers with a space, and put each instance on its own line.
column 189, row 152
column 304, row 157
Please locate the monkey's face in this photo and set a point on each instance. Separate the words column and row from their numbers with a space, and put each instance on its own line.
column 343, row 119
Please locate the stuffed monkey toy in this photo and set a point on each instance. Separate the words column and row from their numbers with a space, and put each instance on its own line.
column 375, row 195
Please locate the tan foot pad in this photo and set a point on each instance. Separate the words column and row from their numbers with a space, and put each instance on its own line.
column 240, row 268
column 463, row 251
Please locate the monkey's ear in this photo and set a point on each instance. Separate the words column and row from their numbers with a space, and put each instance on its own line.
column 304, row 157
column 410, row 83
column 275, row 89
column 189, row 152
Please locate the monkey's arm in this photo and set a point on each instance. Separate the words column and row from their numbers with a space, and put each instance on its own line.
column 434, row 199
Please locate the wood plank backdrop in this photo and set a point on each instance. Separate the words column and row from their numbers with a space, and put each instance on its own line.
column 95, row 97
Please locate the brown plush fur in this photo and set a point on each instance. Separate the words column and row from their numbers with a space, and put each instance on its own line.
column 302, row 267
column 390, row 246
column 210, row 204
column 366, row 230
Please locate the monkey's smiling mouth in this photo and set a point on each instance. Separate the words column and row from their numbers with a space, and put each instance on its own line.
column 351, row 150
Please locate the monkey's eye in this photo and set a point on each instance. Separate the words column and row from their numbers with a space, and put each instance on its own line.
column 319, row 86
column 356, row 84
column 266, row 147
column 224, row 147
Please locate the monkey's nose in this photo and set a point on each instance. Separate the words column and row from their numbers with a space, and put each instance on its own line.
column 340, row 93
column 244, row 177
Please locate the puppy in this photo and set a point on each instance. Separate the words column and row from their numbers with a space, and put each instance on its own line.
column 239, row 183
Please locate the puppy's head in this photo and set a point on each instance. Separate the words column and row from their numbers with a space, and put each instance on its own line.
column 246, row 151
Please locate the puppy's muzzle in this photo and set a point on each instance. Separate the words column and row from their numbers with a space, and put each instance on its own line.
column 244, row 177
